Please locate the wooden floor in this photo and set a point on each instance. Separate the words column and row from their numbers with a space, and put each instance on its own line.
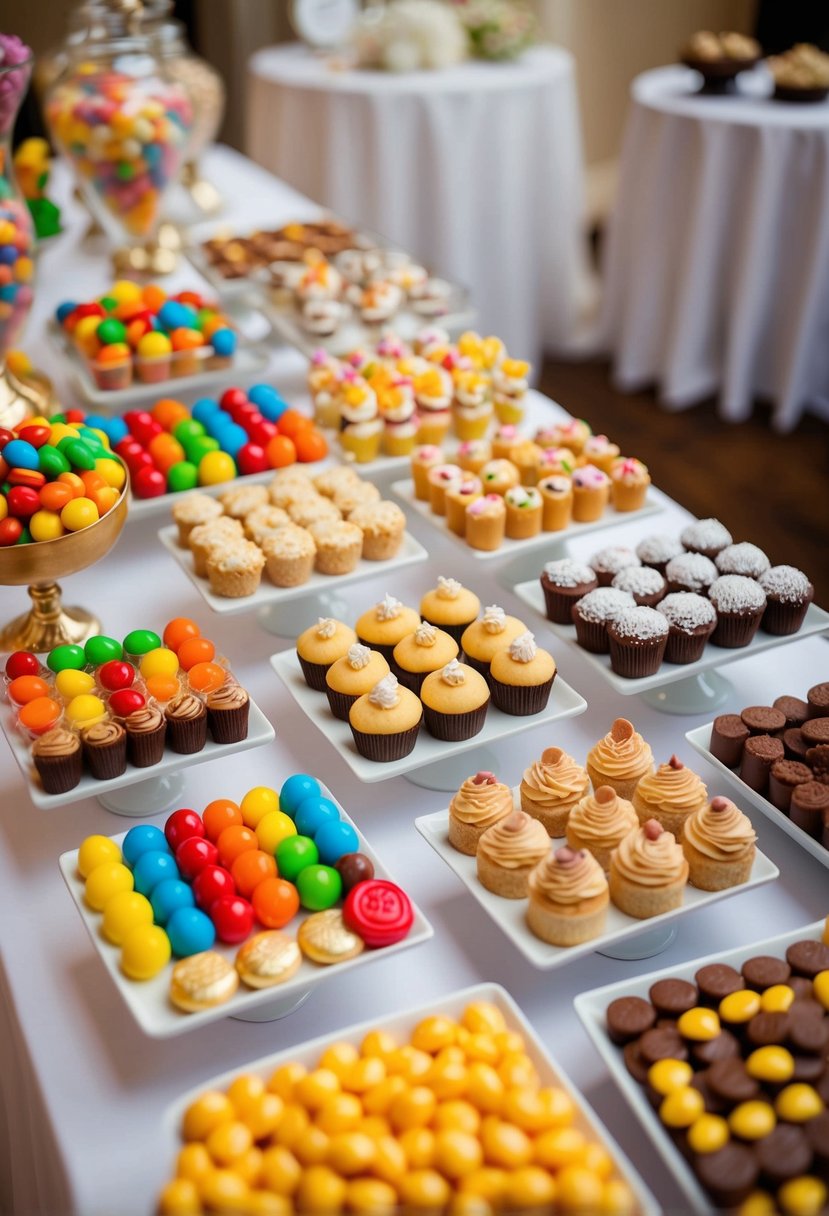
column 767, row 488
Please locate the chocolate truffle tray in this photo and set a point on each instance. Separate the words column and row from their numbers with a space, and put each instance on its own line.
column 591, row 1008
column 148, row 1000
column 624, row 936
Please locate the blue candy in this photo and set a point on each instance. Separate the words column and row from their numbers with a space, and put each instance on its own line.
column 223, row 342
column 115, row 429
column 168, row 896
column 174, row 315
column 268, row 401
column 295, row 790
column 216, row 422
column 313, row 812
column 18, row 454
column 190, row 932
column 63, row 310
column 143, row 838
column 231, row 438
column 205, row 408
column 335, row 839
column 153, row 868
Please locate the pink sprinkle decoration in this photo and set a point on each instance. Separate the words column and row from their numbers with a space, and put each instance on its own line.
column 566, row 856
column 676, row 763
column 484, row 778
column 719, row 804
column 653, row 829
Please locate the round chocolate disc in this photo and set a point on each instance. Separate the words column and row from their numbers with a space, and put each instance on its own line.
column 673, row 997
column 817, row 1133
column 783, row 1154
column 807, row 1033
column 718, row 980
column 801, row 987
column 723, row 1047
column 808, row 1070
column 762, row 971
column 354, row 868
column 628, row 1017
column 768, row 1029
column 729, row 1080
column 816, row 730
column 662, row 1044
column 794, row 744
column 796, row 711
column 808, row 958
column 763, row 719
column 729, row 1175
column 634, row 1063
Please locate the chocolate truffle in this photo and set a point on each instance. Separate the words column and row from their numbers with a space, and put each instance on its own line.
column 354, row 868
column 763, row 719
column 809, row 803
column 759, row 754
column 728, row 736
column 796, row 711
column 784, row 776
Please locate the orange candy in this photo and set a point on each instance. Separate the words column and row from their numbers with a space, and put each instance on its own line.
column 310, row 445
column 74, row 482
column 153, row 296
column 105, row 498
column 206, row 677
column 280, row 451
column 221, row 814
column 26, row 688
column 291, row 421
column 163, row 688
column 136, row 330
column 55, row 495
column 233, row 842
column 192, row 650
column 92, row 481
column 165, row 451
column 275, row 902
column 169, row 413
column 115, row 352
column 186, row 339
column 178, row 630
column 250, row 868
column 40, row 715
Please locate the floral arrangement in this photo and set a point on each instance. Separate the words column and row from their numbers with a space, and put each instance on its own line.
column 406, row 35
column 497, row 29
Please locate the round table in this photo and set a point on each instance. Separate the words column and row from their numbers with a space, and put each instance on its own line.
column 477, row 170
column 718, row 248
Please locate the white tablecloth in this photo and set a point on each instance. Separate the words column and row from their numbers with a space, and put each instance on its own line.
column 82, row 1090
column 717, row 266
column 477, row 170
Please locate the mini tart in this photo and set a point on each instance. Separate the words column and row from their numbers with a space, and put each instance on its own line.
column 384, row 722
column 485, row 521
column 289, row 556
column 186, row 718
column 481, row 802
column 455, row 700
column 419, row 653
column 620, row 759
column 551, row 787
column 424, row 458
column 205, row 537
column 670, row 795
column 505, row 439
column 450, row 606
column 591, row 493
column 521, row 677
column 524, row 512
column 691, row 621
column 719, row 846
column 268, row 959
column 386, row 624
column 458, row 497
column 599, row 823
column 564, row 582
column 239, row 501
column 556, row 502
column 788, row 596
column 319, row 646
column 264, row 521
column 202, row 981
column 508, row 852
column 235, row 572
column 192, row 510
column 57, row 758
column 146, row 735
column 228, row 709
column 629, row 481
column 568, row 898
column 572, row 434
column 593, row 613
column 105, row 749
column 325, row 940
column 382, row 525
column 482, row 640
column 352, row 676
column 498, row 476
column 740, row 603
column 637, row 638
column 648, row 872
column 339, row 546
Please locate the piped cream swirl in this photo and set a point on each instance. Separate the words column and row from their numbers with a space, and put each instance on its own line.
column 515, row 842
column 720, row 830
column 567, row 876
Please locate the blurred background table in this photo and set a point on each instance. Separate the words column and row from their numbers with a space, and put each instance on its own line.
column 477, row 170
column 718, row 248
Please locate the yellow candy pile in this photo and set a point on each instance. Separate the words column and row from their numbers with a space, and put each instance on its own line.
column 455, row 1120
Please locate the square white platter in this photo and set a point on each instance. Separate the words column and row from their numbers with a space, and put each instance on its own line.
column 400, row 1026
column 591, row 1008
column 148, row 1000
column 564, row 702
column 509, row 914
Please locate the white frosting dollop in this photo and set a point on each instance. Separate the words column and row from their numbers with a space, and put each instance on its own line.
column 326, row 627
column 425, row 634
column 523, row 648
column 448, row 588
column 389, row 608
column 384, row 694
column 453, row 673
column 359, row 656
column 495, row 619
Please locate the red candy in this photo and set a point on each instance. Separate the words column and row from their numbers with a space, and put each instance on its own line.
column 378, row 912
column 231, row 397
column 232, row 917
column 27, row 477
column 183, row 825
column 195, row 854
column 126, row 701
column 149, row 482
column 252, row 459
column 35, row 435
column 22, row 663
column 116, row 674
column 10, row 530
column 212, row 883
column 23, row 501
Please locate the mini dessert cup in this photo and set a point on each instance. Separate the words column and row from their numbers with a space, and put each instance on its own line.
column 458, row 497
column 591, row 493
column 637, row 639
column 524, row 512
column 153, row 369
column 564, row 583
column 486, row 520
column 556, row 502
column 112, row 376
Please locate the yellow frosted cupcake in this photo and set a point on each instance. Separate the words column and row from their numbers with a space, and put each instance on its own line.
column 361, row 427
column 472, row 409
column 599, row 823
column 669, row 795
column 482, row 640
column 521, row 677
column 422, row 652
column 568, row 898
column 719, row 846
column 481, row 801
column 384, row 722
column 386, row 624
column 450, row 606
column 620, row 759
column 352, row 676
column 319, row 646
column 551, row 787
column 648, row 872
column 508, row 852
column 455, row 700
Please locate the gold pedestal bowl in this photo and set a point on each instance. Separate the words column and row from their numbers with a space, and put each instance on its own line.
column 39, row 565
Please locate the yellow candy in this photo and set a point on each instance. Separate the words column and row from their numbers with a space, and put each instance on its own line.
column 752, row 1120
column 152, row 345
column 224, row 1191
column 320, row 1190
column 207, row 1111
column 577, row 1190
column 485, row 1088
column 281, row 1171
column 740, row 1006
column 469, row 1205
column 597, row 1160
column 559, row 1147
column 180, row 1198
column 617, row 1199
column 803, row 1196
column 446, row 1078
column 112, row 471
column 433, row 1033
column 145, row 951
column 257, row 803
column 378, row 1100
column 457, row 1153
column 351, row 1153
column 292, row 1126
column 797, row 1103
column 487, row 1183
column 363, row 1075
column 215, row 468
column 229, row 1141
column 62, row 430
column 530, row 1187
column 518, row 1069
column 159, row 662
column 193, row 1162
column 315, row 1088
column 85, row 709
column 458, row 1116
column 708, row 1134
column 123, row 912
column 758, row 1203
column 389, row 1159
column 378, row 1043
column 244, row 1091
column 283, row 1080
column 418, row 1145
column 340, row 1113
column 264, row 1115
column 372, row 1196
column 94, row 851
column 339, row 1056
column 375, row 1126
column 106, row 880
column 424, row 1189
column 266, row 1203
column 699, row 1025
column 125, row 291
column 78, row 514
column 770, row 1064
column 682, row 1107
column 820, row 987
column 414, row 1108
column 777, row 999
column 477, row 1046
column 667, row 1075
column 70, row 683
column 505, row 1144
column 46, row 525
column 249, row 1165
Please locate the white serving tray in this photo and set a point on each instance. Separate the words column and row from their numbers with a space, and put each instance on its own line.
column 699, row 738
column 591, row 1008
column 509, row 914
column 401, row 1025
column 564, row 702
column 148, row 1000
column 271, row 597
column 553, row 541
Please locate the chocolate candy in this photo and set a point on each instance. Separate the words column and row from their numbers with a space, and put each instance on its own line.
column 662, row 1043
column 784, row 776
column 354, row 868
column 768, row 1028
column 728, row 735
column 723, row 1047
column 817, row 1134
column 808, row 1069
column 763, row 719
column 673, row 997
column 634, row 1063
column 379, row 912
column 728, row 1175
column 818, row 699
column 783, row 1154
column 762, row 971
column 796, row 711
column 759, row 754
column 794, row 744
column 808, row 1033
column 815, row 731
column 808, row 958
column 716, row 981
column 728, row 1080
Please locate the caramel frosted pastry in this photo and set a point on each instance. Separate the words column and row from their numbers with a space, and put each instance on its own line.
column 551, row 787
column 202, row 981
column 319, row 646
column 352, row 676
column 481, row 801
column 235, row 570
column 648, row 872
column 507, row 853
column 146, row 733
column 289, row 556
column 186, row 717
column 620, row 759
column 192, row 510
column 719, row 846
column 521, row 677
column 669, row 795
column 324, row 938
column 568, row 898
column 422, row 652
column 483, row 639
column 268, row 959
column 105, row 749
column 599, row 822
column 387, row 623
column 485, row 522
column 450, row 606
column 57, row 758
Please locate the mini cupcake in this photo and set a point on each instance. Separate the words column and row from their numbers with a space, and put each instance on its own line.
column 691, row 621
column 289, row 556
column 482, row 640
column 450, row 606
column 498, row 476
column 568, row 898
column 507, row 854
column 105, row 749
column 455, row 700
column 240, row 501
column 557, row 460
column 146, row 735
column 745, row 559
column 387, row 623
column 442, row 478
column 591, row 493
column 338, row 545
column 509, row 388
column 564, row 582
column 556, row 493
column 788, row 596
column 648, row 872
column 292, row 485
column 186, row 718
column 400, row 420
column 235, row 571
column 473, row 454
column 329, row 480
column 422, row 652
column 264, row 521
column 551, row 787
column 57, row 758
column 212, row 535
column 526, row 456
column 228, row 709
column 572, row 433
column 670, row 796
column 424, row 458
column 657, row 550
column 740, row 603
column 637, row 639
column 384, row 722
column 319, row 647
column 647, row 586
column 504, row 441
column 459, row 496
column 481, row 802
column 352, row 676
column 472, row 409
column 192, row 510
column 486, row 523
column 593, row 613
column 524, row 512
column 433, row 396
column 629, row 481
column 690, row 572
column 361, row 427
column 598, row 450
column 620, row 759
column 348, row 498
column 719, row 846
column 599, row 823
column 608, row 562
column 521, row 677
column 312, row 510
column 705, row 536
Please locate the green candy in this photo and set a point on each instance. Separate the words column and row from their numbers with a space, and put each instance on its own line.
column 197, row 448
column 66, row 658
column 78, row 453
column 51, row 461
column 125, row 171
column 319, row 887
column 182, row 476
column 92, row 441
column 101, row 649
column 188, row 429
column 25, row 537
column 293, row 855
column 111, row 330
column 140, row 641
column 108, row 303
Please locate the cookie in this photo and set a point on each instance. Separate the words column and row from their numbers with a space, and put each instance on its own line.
column 202, row 981
column 267, row 959
column 324, row 939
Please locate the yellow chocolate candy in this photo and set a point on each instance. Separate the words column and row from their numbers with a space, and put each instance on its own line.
column 244, row 1091
column 85, row 709
column 207, row 1111
column 281, row 1171
column 770, row 1063
column 505, row 1144
column 371, row 1196
column 457, row 1153
column 699, row 1024
column 797, row 1103
column 682, row 1107
column 559, row 1147
column 577, row 1190
column 708, row 1134
column 820, row 987
column 179, row 1198
column 530, row 1187
column 752, row 1120
column 433, row 1033
column 758, row 1203
column 94, row 851
column 665, row 1076
column 617, row 1199
column 487, row 1183
column 145, row 951
column 804, row 1196
column 424, row 1189
column 457, row 1116
column 378, row 1043
column 193, row 1162
column 351, row 1153
column 740, row 1006
column 777, row 999
column 483, row 1018
column 340, row 1113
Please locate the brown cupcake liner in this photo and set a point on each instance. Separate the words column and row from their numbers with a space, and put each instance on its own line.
column 521, row 700
column 58, row 774
column 228, row 725
column 108, row 761
column 735, row 629
column 591, row 635
column 454, row 631
column 383, row 749
column 340, row 703
column 476, row 665
column 386, row 651
column 187, row 735
column 413, row 680
column 635, row 660
column 314, row 674
column 781, row 620
column 454, row 728
column 558, row 605
column 683, row 647
column 146, row 748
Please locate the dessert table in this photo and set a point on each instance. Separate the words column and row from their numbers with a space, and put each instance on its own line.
column 476, row 169
column 82, row 1090
column 715, row 269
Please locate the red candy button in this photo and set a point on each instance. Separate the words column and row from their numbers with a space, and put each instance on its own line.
column 22, row 663
column 211, row 883
column 126, row 701
column 115, row 674
column 232, row 917
column 194, row 854
column 181, row 826
column 378, row 912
